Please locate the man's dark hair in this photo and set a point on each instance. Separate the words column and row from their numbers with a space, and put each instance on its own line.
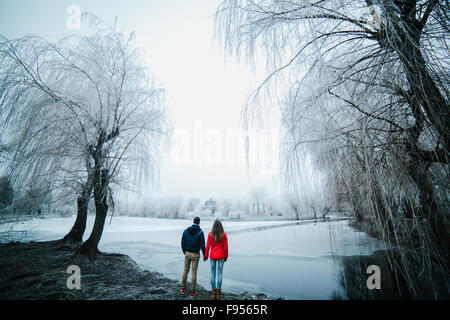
column 197, row 220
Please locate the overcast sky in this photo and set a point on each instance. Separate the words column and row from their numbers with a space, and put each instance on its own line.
column 205, row 91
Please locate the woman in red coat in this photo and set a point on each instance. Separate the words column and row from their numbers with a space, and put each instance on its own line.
column 218, row 243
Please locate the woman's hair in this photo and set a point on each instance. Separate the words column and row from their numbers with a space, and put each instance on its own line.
column 217, row 231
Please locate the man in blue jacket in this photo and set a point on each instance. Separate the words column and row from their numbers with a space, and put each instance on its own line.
column 192, row 241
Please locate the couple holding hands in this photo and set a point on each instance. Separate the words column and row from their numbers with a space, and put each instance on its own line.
column 192, row 242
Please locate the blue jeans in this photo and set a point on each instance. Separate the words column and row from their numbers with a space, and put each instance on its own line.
column 219, row 263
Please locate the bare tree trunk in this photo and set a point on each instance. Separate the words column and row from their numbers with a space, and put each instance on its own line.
column 424, row 92
column 314, row 210
column 429, row 208
column 427, row 103
column 297, row 214
column 90, row 247
column 403, row 35
column 379, row 207
column 77, row 231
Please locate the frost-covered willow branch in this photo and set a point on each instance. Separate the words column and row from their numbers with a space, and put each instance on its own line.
column 83, row 112
column 363, row 88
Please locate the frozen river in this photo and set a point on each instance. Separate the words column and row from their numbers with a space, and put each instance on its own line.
column 293, row 262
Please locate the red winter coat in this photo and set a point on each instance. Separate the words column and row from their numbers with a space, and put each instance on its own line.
column 219, row 250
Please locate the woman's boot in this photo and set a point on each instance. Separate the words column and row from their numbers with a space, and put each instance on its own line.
column 219, row 294
column 213, row 293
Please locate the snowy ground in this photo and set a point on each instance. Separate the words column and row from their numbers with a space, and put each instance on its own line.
column 293, row 262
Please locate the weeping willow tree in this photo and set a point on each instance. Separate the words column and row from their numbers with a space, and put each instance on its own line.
column 364, row 88
column 80, row 114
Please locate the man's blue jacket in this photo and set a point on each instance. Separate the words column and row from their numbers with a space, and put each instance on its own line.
column 193, row 240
